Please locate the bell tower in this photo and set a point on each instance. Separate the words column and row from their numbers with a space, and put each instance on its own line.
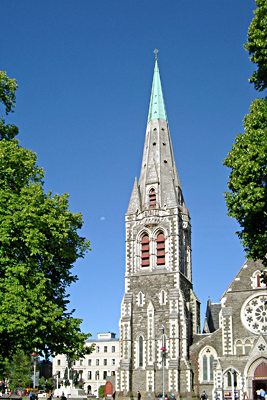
column 158, row 273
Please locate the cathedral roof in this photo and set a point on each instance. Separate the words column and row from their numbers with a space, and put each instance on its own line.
column 156, row 107
column 212, row 317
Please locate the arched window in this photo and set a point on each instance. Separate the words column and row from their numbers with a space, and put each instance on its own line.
column 145, row 251
column 229, row 378
column 160, row 249
column 140, row 299
column 231, row 375
column 258, row 281
column 211, row 367
column 207, row 357
column 205, row 369
column 140, row 351
column 152, row 198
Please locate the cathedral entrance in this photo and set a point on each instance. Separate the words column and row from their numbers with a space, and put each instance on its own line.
column 260, row 379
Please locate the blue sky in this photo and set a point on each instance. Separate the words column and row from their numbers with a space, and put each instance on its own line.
column 84, row 70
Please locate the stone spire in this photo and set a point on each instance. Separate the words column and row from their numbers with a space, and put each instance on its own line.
column 157, row 106
column 158, row 170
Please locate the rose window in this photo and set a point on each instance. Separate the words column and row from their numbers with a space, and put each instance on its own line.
column 254, row 314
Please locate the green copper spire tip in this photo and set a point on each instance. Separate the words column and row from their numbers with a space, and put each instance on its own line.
column 156, row 107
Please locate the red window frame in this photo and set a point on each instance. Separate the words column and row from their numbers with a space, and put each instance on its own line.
column 160, row 249
column 152, row 198
column 145, row 251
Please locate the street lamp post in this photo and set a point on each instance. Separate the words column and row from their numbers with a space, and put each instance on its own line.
column 34, row 357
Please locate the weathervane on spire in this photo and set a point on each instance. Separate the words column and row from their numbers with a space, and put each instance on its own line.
column 156, row 53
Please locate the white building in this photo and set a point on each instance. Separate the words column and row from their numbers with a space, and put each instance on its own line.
column 94, row 368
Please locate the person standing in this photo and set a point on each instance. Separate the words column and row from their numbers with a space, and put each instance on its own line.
column 204, row 396
column 138, row 395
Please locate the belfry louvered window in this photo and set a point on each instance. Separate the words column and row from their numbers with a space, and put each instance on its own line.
column 152, row 198
column 145, row 251
column 160, row 249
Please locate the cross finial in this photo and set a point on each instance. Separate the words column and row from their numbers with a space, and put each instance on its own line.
column 156, row 53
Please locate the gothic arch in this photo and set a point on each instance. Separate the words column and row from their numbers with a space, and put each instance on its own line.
column 206, row 358
column 143, row 232
column 256, row 280
column 253, row 364
column 237, row 377
column 156, row 232
column 138, row 248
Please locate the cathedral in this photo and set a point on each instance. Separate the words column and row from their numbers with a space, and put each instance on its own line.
column 231, row 353
column 161, row 347
column 160, row 313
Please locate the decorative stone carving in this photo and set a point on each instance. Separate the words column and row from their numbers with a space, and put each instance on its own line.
column 152, row 221
column 254, row 314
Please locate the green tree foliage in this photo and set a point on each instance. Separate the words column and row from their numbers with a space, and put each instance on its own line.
column 8, row 89
column 49, row 387
column 257, row 45
column 39, row 245
column 42, row 381
column 101, row 391
column 18, row 370
column 247, row 201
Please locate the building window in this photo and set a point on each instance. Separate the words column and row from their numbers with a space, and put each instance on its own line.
column 89, row 375
column 58, row 374
column 160, row 249
column 89, row 362
column 162, row 298
column 145, row 251
column 105, row 374
column 96, row 374
column 74, row 362
column 97, row 361
column 81, row 362
column 105, row 361
column 140, row 351
column 205, row 369
column 206, row 364
column 105, row 349
column 113, row 361
column 152, row 198
column 229, row 378
column 97, row 349
column 58, row 362
column 211, row 367
column 113, row 349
